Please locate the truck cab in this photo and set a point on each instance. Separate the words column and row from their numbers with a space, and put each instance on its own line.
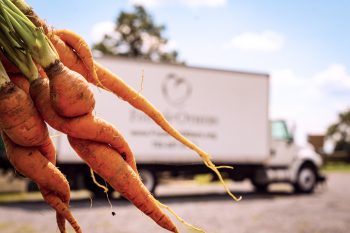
column 289, row 162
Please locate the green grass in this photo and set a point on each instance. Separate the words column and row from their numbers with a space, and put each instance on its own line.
column 336, row 167
column 36, row 196
column 22, row 196
column 203, row 179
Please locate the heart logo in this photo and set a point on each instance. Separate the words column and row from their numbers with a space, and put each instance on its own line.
column 176, row 89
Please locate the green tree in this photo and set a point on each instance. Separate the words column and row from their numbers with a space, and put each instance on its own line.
column 137, row 36
column 339, row 133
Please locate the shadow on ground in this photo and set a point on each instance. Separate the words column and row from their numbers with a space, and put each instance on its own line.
column 190, row 198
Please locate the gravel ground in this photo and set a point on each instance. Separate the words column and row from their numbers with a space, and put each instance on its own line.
column 207, row 206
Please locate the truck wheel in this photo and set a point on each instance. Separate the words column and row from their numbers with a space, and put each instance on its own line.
column 32, row 187
column 260, row 187
column 149, row 179
column 306, row 180
column 260, row 180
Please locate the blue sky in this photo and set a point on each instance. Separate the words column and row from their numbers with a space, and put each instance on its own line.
column 303, row 45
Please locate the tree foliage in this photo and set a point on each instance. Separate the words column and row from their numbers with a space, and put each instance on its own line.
column 137, row 36
column 339, row 132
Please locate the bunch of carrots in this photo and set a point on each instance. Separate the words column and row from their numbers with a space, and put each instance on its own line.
column 44, row 79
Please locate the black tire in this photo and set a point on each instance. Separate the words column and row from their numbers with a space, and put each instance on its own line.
column 149, row 179
column 32, row 187
column 260, row 180
column 306, row 179
column 75, row 179
column 260, row 187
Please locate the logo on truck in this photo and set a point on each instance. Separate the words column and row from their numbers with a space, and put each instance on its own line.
column 176, row 89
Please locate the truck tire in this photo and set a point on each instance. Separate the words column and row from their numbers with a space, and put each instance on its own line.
column 149, row 179
column 260, row 180
column 260, row 187
column 32, row 187
column 306, row 179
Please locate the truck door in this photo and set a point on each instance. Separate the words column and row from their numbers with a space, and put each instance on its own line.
column 283, row 149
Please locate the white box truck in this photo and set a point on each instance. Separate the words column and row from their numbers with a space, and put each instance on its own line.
column 226, row 113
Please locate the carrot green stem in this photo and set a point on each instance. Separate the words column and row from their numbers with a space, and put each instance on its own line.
column 15, row 52
column 27, row 10
column 32, row 37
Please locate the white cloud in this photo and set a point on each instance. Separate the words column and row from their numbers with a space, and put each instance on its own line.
column 148, row 2
column 312, row 103
column 100, row 29
column 285, row 78
column 334, row 79
column 188, row 3
column 267, row 41
column 204, row 3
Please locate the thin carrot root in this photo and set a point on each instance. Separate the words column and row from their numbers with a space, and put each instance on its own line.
column 61, row 222
column 103, row 187
column 69, row 57
column 57, row 204
column 190, row 226
column 81, row 48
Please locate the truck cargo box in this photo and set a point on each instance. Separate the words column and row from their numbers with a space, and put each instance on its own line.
column 223, row 112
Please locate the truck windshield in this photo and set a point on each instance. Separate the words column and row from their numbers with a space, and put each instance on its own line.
column 279, row 130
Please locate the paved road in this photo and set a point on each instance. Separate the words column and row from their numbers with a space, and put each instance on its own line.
column 280, row 211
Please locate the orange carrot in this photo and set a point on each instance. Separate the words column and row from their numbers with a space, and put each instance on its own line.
column 20, row 81
column 19, row 118
column 70, row 93
column 45, row 145
column 106, row 162
column 85, row 127
column 69, row 57
column 53, row 185
column 22, row 122
column 81, row 48
column 63, row 214
column 47, row 149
